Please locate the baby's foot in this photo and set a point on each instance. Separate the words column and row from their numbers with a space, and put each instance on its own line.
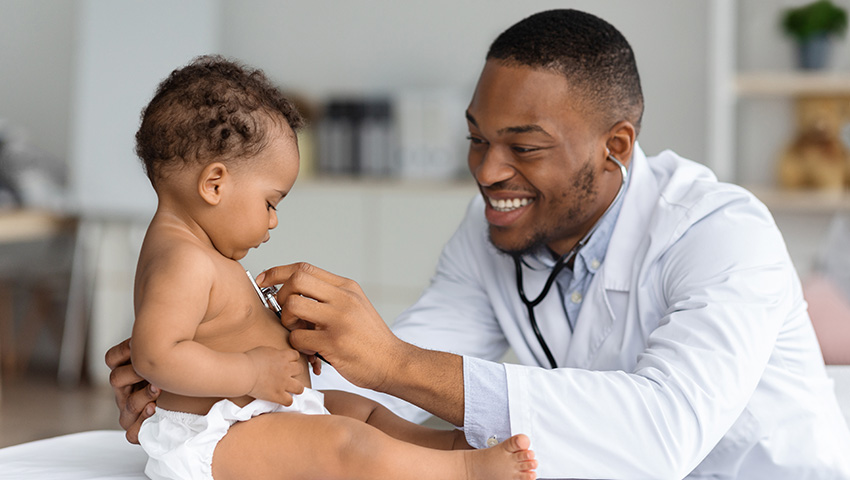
column 509, row 460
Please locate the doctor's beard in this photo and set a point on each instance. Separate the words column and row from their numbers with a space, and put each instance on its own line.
column 584, row 191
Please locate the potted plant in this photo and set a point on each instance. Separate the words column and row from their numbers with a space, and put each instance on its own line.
column 812, row 26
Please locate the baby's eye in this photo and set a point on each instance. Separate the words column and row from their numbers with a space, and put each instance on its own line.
column 270, row 206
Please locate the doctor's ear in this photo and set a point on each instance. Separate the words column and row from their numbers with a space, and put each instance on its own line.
column 620, row 142
column 212, row 182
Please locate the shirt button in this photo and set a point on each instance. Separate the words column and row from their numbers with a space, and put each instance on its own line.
column 595, row 264
column 492, row 441
column 576, row 297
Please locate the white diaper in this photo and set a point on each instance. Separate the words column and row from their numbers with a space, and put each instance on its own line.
column 180, row 445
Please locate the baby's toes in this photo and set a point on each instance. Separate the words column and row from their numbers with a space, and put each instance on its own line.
column 517, row 443
column 526, row 476
column 527, row 466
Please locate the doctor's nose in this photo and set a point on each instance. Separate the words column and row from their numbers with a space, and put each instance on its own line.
column 490, row 167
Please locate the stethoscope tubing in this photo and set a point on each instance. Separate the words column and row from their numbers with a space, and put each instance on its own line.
column 559, row 265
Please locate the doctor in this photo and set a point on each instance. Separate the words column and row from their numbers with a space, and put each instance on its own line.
column 671, row 339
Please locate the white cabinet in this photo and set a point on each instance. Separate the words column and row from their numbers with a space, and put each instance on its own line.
column 385, row 234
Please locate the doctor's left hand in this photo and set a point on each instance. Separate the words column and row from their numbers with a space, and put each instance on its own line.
column 136, row 398
column 331, row 315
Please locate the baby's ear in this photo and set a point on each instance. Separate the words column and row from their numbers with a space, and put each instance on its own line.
column 212, row 182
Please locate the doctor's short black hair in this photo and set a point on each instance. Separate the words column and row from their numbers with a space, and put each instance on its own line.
column 212, row 109
column 595, row 58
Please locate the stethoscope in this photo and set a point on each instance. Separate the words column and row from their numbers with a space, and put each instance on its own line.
column 559, row 265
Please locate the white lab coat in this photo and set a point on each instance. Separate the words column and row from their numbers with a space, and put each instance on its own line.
column 693, row 354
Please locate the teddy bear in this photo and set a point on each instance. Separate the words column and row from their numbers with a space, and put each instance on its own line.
column 818, row 157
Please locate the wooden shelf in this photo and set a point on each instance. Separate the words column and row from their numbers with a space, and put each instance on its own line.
column 803, row 201
column 792, row 83
column 386, row 184
column 19, row 225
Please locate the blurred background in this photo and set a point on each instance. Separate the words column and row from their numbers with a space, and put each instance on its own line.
column 384, row 85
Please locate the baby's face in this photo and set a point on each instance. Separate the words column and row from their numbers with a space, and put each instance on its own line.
column 258, row 186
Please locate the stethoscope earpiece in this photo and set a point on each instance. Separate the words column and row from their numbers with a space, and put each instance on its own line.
column 623, row 172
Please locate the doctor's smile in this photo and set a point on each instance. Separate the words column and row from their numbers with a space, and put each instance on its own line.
column 502, row 212
column 508, row 205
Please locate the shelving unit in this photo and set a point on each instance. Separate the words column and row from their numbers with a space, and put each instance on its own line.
column 751, row 88
column 783, row 201
column 732, row 87
column 765, row 84
column 762, row 85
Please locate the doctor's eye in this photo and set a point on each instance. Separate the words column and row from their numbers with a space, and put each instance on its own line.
column 475, row 140
column 520, row 149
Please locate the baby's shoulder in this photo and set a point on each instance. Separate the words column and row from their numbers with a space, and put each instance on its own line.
column 173, row 252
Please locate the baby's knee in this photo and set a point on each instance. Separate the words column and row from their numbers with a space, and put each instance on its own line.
column 340, row 433
column 338, row 442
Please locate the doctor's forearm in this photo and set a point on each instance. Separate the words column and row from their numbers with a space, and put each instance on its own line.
column 429, row 379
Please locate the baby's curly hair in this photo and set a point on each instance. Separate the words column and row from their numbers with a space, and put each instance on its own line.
column 213, row 108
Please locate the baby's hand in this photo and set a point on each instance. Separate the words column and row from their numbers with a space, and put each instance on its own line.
column 275, row 374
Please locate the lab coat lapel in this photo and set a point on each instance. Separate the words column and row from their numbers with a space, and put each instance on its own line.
column 606, row 300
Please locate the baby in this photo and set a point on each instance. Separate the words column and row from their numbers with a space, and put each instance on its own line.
column 218, row 144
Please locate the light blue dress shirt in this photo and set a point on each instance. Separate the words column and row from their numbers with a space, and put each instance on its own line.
column 490, row 415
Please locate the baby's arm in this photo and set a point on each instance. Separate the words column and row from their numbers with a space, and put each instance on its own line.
column 371, row 412
column 172, row 297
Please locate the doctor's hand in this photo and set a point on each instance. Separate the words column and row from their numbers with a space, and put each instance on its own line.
column 331, row 315
column 136, row 398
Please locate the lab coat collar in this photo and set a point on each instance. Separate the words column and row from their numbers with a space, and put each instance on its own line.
column 641, row 190
column 544, row 259
column 641, row 193
column 606, row 299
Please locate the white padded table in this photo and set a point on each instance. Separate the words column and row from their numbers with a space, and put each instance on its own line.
column 99, row 454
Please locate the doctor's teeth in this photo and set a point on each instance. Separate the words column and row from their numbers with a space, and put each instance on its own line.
column 506, row 205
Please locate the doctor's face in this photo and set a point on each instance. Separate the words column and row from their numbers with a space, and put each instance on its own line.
column 540, row 162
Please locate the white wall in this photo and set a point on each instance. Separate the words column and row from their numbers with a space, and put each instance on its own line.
column 325, row 47
column 123, row 50
column 36, row 59
column 53, row 83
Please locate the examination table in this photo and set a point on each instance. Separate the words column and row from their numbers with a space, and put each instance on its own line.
column 106, row 454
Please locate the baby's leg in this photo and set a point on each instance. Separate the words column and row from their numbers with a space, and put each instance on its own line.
column 380, row 417
column 295, row 446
